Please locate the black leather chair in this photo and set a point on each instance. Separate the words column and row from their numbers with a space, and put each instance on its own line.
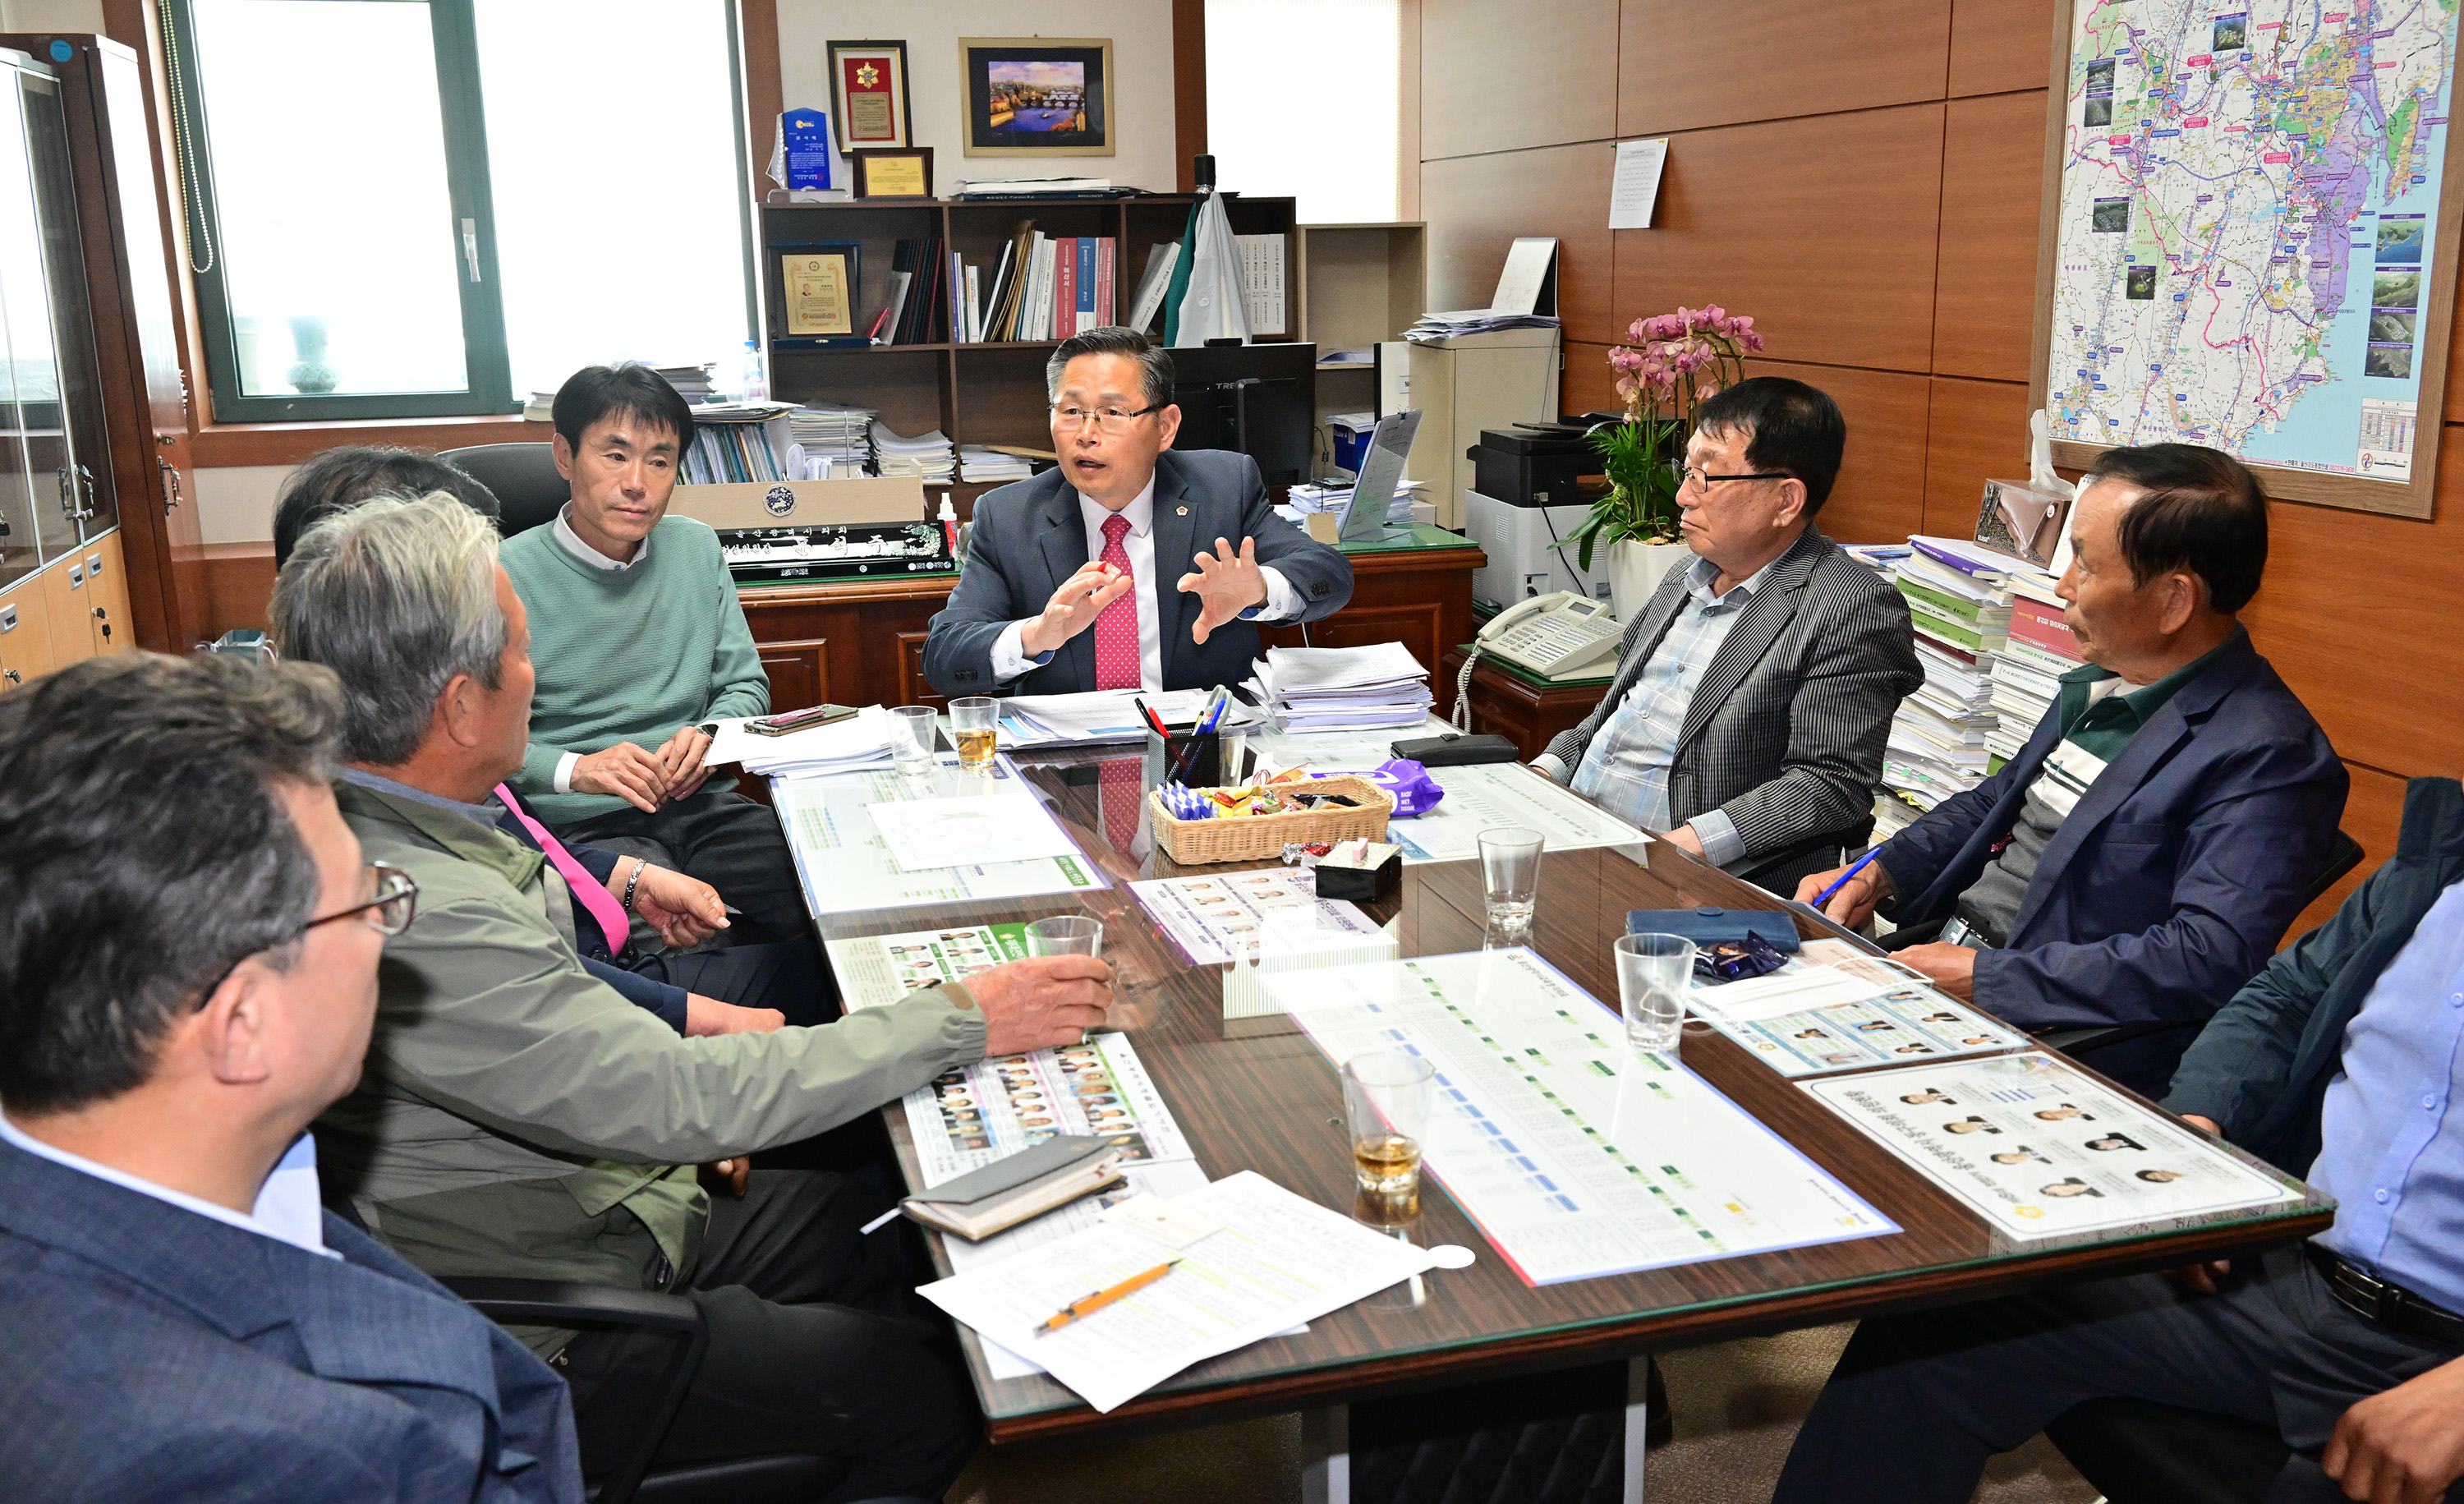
column 1781, row 871
column 522, row 476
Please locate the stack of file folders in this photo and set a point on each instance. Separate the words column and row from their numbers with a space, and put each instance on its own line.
column 1433, row 326
column 853, row 744
column 1109, row 718
column 1343, row 689
column 732, row 443
column 690, row 382
column 930, row 455
column 829, row 441
column 1961, row 611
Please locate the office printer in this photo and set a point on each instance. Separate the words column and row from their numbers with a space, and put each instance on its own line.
column 1536, row 464
column 823, row 529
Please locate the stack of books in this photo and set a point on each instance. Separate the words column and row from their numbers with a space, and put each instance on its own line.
column 929, row 455
column 2028, row 670
column 541, row 408
column 1961, row 609
column 690, row 382
column 829, row 441
column 919, row 295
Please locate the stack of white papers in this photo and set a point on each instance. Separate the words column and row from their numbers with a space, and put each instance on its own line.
column 1343, row 689
column 930, row 455
column 860, row 742
column 978, row 831
column 1105, row 717
column 1271, row 1261
column 977, row 463
column 829, row 441
column 1473, row 320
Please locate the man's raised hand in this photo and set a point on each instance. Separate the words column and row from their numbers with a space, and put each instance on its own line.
column 1226, row 583
column 1074, row 607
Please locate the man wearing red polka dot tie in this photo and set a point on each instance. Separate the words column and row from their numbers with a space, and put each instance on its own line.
column 1064, row 585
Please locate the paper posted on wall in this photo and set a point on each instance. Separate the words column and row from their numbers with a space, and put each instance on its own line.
column 2039, row 1148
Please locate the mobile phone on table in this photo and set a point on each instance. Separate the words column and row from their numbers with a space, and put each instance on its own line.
column 798, row 720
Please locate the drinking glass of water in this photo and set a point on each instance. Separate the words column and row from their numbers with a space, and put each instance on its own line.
column 1065, row 935
column 1654, row 972
column 911, row 738
column 1509, row 874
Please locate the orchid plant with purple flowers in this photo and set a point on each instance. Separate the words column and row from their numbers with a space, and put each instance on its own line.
column 1675, row 362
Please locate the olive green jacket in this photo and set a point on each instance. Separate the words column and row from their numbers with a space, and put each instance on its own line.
column 518, row 1117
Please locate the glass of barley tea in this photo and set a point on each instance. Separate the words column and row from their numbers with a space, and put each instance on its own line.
column 1387, row 1094
column 970, row 728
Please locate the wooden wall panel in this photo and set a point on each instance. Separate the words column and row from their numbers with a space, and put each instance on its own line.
column 1794, row 61
column 1998, row 45
column 1977, row 430
column 1879, row 496
column 1476, row 206
column 2455, row 368
column 1500, row 78
column 1589, row 385
column 1822, row 228
column 1985, row 277
column 2356, row 613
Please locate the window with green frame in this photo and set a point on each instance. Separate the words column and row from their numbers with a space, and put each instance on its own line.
column 427, row 208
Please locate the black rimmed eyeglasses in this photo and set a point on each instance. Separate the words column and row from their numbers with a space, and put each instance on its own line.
column 1693, row 475
column 394, row 904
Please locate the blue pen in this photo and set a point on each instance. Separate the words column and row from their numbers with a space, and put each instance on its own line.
column 1854, row 868
column 1214, row 715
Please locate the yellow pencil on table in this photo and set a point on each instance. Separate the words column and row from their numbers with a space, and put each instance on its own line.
column 1079, row 1310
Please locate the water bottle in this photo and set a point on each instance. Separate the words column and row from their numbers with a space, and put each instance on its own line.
column 756, row 379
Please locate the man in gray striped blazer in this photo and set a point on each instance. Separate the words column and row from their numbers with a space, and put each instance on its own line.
column 1753, row 695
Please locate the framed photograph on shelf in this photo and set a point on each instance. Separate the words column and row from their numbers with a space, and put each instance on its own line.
column 1038, row 96
column 905, row 173
column 813, row 291
column 868, row 86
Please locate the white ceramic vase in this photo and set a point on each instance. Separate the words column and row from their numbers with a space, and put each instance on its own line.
column 1635, row 571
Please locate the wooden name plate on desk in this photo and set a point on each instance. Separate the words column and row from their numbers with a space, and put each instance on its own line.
column 803, row 503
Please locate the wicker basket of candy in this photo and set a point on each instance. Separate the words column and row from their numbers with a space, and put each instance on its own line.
column 1255, row 822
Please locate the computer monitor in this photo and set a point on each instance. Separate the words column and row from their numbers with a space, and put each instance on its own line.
column 1260, row 400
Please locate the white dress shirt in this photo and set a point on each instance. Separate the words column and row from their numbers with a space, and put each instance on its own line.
column 287, row 1211
column 1009, row 650
column 574, row 545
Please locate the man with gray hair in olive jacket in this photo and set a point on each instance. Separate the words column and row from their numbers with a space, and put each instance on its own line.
column 519, row 1117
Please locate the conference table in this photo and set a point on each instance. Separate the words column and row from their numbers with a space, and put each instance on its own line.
column 1255, row 1093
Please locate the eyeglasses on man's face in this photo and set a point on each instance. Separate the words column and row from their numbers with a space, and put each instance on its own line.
column 1693, row 478
column 393, row 903
column 1071, row 418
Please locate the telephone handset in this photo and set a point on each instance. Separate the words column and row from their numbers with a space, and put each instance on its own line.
column 1560, row 636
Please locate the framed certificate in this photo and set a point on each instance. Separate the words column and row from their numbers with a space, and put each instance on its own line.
column 894, row 174
column 869, row 85
column 816, row 291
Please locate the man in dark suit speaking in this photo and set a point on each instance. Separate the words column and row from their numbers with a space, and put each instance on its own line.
column 1089, row 544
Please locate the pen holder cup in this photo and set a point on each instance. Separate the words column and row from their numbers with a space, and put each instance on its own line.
column 1187, row 757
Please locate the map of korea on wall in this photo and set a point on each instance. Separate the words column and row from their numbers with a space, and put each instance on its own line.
column 2249, row 206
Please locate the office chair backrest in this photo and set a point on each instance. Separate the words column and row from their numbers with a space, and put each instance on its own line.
column 524, row 479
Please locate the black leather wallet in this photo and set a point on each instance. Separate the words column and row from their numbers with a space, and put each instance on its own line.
column 1455, row 749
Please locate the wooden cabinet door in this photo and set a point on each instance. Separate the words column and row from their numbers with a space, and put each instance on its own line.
column 25, row 635
column 914, row 688
column 106, row 588
column 799, row 673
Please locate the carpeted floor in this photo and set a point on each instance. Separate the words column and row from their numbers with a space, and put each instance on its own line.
column 1737, row 1406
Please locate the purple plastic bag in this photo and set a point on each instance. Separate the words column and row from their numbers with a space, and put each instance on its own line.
column 1415, row 793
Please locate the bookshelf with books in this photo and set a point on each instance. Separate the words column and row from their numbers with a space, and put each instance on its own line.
column 935, row 375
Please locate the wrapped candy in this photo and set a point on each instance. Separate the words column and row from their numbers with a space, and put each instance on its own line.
column 1415, row 793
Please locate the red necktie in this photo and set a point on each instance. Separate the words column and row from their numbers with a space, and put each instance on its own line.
column 592, row 892
column 1116, row 632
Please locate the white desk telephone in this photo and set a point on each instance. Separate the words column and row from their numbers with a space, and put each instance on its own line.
column 1560, row 636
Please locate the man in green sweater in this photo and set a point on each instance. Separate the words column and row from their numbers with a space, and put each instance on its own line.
column 639, row 641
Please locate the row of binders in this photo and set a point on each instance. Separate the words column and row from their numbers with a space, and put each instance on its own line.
column 1044, row 287
column 734, row 446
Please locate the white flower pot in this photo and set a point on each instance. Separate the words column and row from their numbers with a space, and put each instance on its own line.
column 1635, row 571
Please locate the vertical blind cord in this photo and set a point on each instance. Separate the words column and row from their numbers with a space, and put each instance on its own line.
column 192, row 220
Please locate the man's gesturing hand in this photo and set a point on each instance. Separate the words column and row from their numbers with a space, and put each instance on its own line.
column 681, row 758
column 635, row 776
column 1226, row 584
column 685, row 911
column 1041, row 1002
column 1074, row 607
column 2405, row 1445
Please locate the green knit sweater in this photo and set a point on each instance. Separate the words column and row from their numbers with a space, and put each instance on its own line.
column 628, row 655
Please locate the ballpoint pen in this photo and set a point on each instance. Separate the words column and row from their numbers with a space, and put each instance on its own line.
column 1854, row 868
column 1080, row 1310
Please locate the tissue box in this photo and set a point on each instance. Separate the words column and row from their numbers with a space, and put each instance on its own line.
column 1361, row 871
